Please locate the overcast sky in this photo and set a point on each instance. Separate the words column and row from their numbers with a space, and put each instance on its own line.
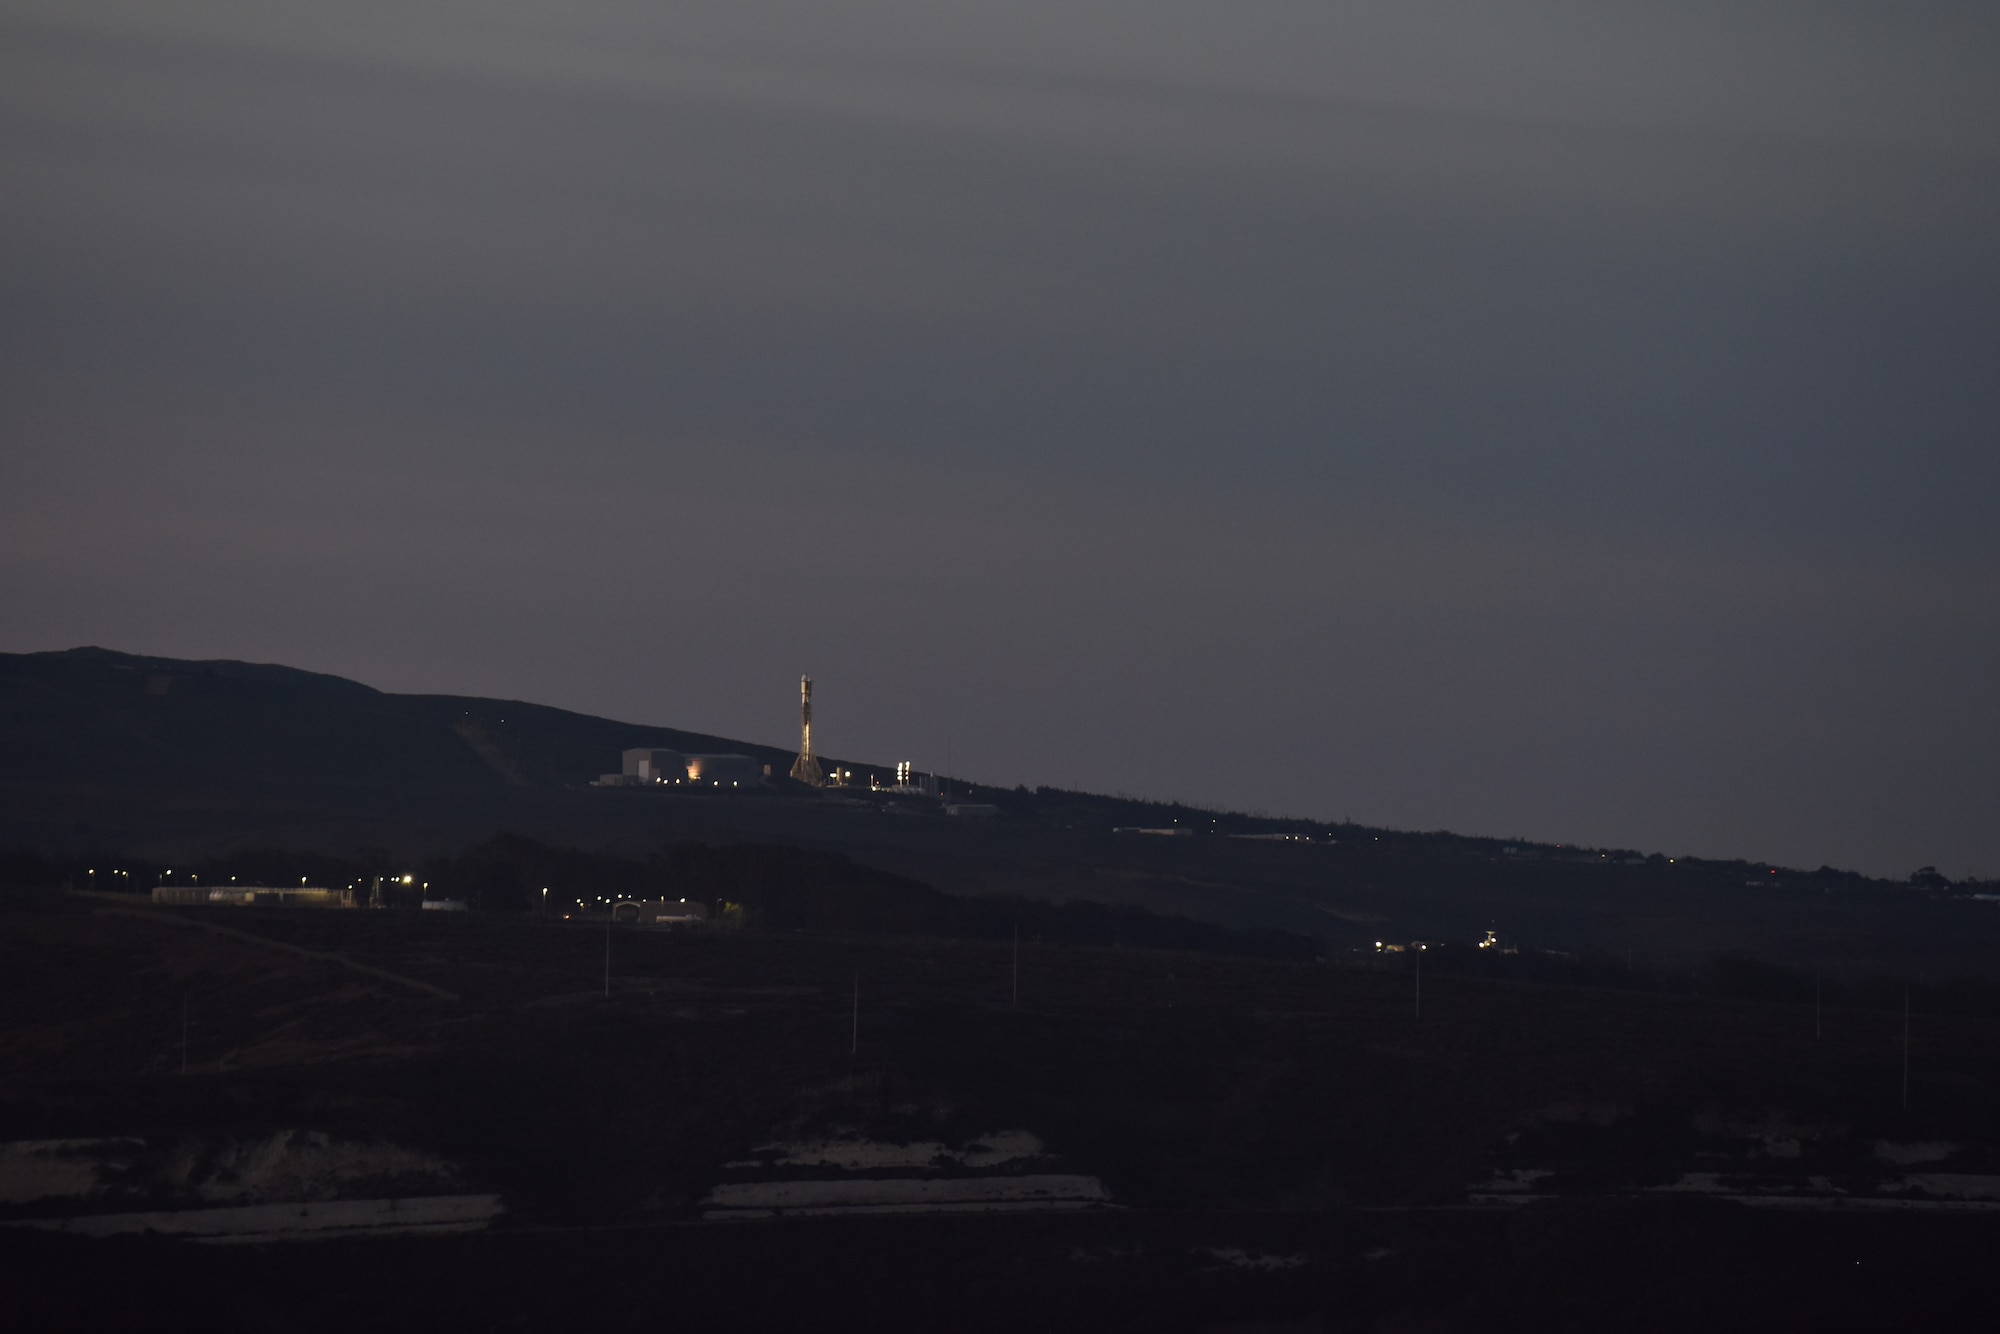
column 1570, row 420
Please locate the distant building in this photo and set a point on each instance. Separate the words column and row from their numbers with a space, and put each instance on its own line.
column 971, row 809
column 652, row 765
column 301, row 896
column 659, row 912
column 724, row 771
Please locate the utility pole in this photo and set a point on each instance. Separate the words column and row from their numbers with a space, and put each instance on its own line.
column 1418, row 955
column 184, row 1032
column 854, row 1041
column 608, row 915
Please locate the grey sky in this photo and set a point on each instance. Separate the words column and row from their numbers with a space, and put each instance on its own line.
column 1568, row 420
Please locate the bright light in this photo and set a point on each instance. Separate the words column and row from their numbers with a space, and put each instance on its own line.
column 408, row 879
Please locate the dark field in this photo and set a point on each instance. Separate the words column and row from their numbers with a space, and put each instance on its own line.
column 1583, row 1267
column 1265, row 1128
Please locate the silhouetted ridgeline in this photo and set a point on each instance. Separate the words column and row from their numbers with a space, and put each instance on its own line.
column 98, row 719
column 85, row 731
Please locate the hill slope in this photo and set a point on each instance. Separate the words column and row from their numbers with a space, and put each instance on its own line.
column 106, row 755
column 97, row 719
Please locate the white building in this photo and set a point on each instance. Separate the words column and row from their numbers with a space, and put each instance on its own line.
column 651, row 765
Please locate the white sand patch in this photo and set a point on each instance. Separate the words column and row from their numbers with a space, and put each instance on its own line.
column 285, row 1167
column 60, row 1169
column 1949, row 1185
column 757, row 1199
column 1697, row 1183
column 302, row 1221
column 1007, row 1146
column 854, row 1154
column 1948, row 1192
column 862, row 1210
column 1515, row 1182
column 298, row 1165
column 1845, row 1203
column 1238, row 1258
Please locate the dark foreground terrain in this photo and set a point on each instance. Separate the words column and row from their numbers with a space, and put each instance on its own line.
column 1589, row 1266
column 1278, row 1143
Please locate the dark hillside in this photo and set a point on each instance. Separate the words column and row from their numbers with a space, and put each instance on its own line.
column 94, row 719
column 159, row 762
column 537, row 746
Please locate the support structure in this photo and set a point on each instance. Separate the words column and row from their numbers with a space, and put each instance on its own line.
column 806, row 768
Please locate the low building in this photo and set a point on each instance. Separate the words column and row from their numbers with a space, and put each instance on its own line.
column 301, row 896
column 659, row 912
column 650, row 764
column 724, row 771
column 972, row 810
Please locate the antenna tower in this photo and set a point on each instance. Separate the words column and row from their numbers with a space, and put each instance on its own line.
column 806, row 767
